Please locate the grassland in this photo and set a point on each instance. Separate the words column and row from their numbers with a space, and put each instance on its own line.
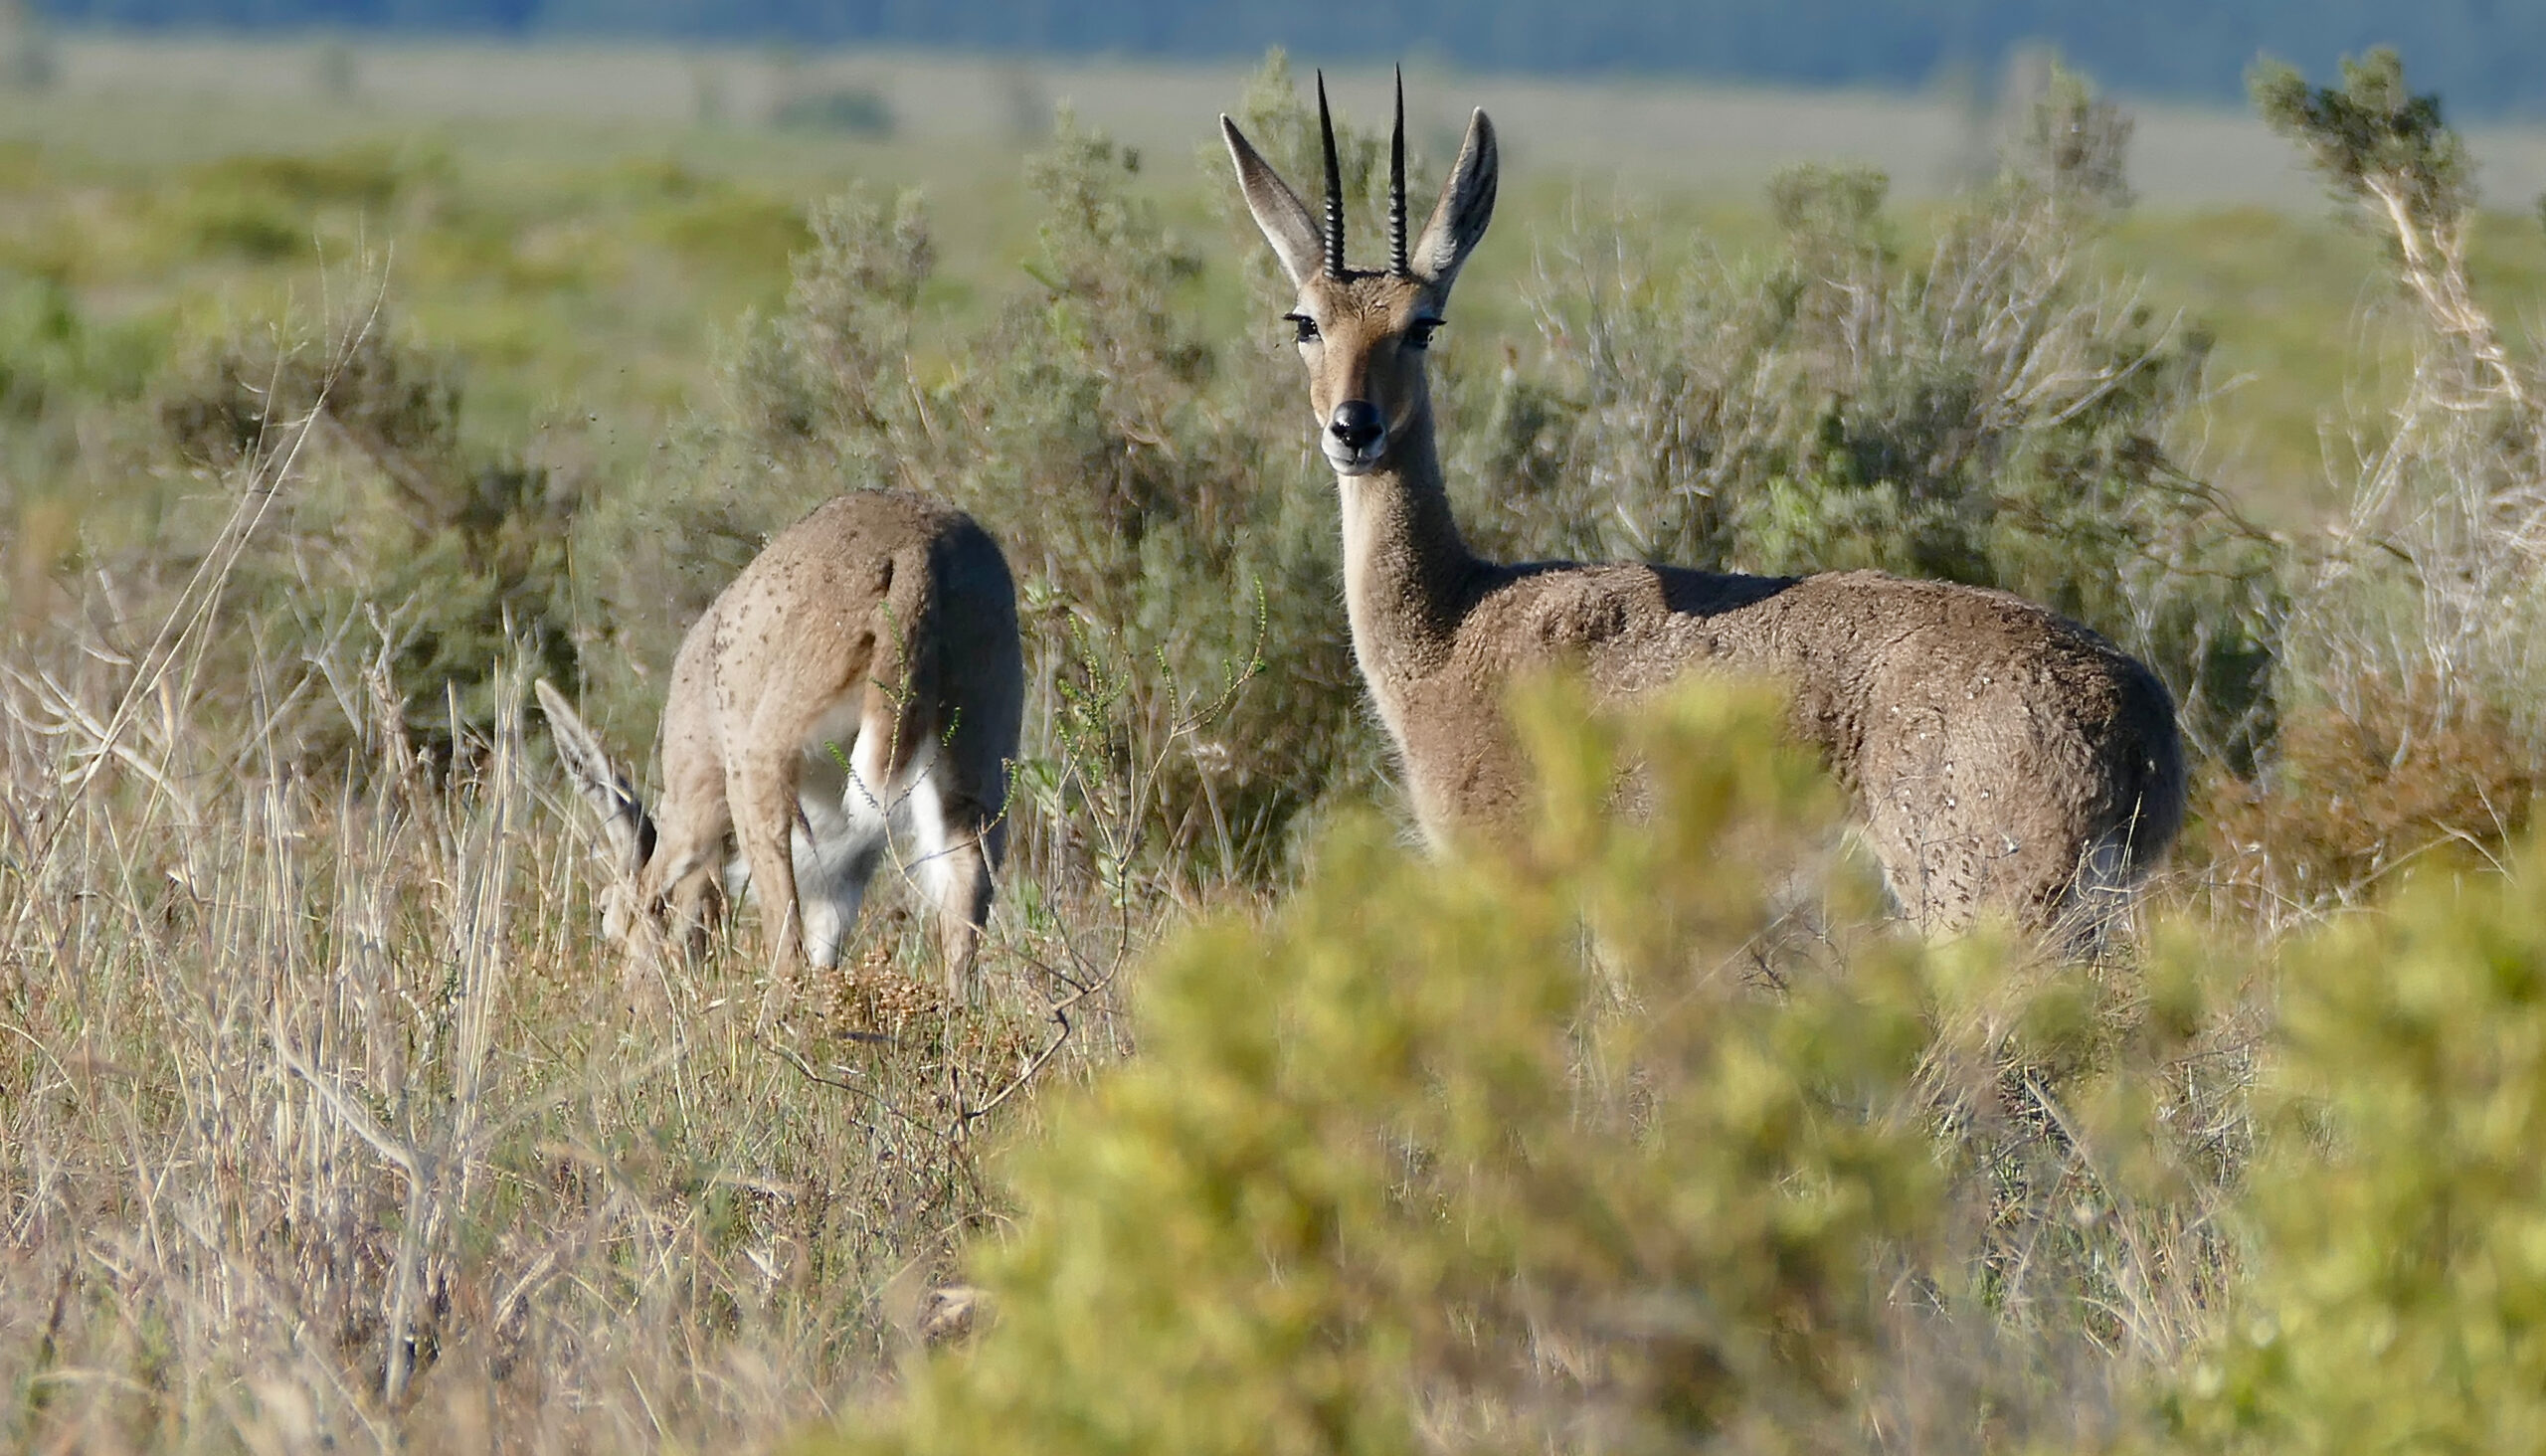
column 343, row 391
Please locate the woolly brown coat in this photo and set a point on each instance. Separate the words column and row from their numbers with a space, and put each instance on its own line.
column 1998, row 754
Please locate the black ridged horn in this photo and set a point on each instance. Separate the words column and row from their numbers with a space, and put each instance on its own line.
column 1397, row 262
column 1333, row 186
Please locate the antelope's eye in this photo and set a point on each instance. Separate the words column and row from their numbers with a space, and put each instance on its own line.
column 1308, row 327
column 1418, row 334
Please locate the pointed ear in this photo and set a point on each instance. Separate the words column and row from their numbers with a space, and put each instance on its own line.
column 1466, row 206
column 625, row 824
column 1287, row 222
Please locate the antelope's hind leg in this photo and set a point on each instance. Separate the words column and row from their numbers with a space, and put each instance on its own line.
column 959, row 842
column 760, row 785
column 839, row 841
column 906, row 752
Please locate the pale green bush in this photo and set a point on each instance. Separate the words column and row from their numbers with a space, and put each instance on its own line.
column 69, row 381
column 1611, row 1141
column 2396, row 1295
column 387, row 528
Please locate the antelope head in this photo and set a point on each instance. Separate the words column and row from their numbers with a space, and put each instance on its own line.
column 1362, row 335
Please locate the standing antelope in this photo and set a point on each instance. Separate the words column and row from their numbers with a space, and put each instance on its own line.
column 859, row 682
column 1998, row 753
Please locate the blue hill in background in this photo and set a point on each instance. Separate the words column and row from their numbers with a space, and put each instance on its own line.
column 2487, row 56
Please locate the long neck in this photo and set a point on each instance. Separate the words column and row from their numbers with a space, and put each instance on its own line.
column 1407, row 575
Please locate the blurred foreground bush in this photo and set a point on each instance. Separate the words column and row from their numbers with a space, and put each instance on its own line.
column 1410, row 1160
column 1589, row 1146
column 2396, row 1297
column 1607, row 1144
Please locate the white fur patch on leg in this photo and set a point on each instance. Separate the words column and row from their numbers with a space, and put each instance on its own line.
column 935, row 837
column 839, row 837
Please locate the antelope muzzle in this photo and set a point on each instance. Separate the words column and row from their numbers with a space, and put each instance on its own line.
column 1355, row 437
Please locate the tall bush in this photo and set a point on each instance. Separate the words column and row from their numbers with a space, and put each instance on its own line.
column 440, row 556
column 2419, row 714
column 1989, row 406
column 2396, row 1296
column 1408, row 1160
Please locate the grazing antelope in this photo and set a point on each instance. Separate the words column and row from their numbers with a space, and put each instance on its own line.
column 1998, row 754
column 859, row 682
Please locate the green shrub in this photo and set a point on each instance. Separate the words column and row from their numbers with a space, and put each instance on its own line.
column 69, row 383
column 1992, row 407
column 393, row 526
column 263, row 207
column 369, row 175
column 734, row 231
column 56, row 357
column 2396, row 1294
column 1622, row 1138
column 1416, row 1165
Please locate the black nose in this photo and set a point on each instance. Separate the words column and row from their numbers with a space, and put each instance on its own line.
column 1356, row 423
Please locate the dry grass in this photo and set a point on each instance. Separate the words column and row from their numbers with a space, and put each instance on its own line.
column 331, row 1122
column 2364, row 787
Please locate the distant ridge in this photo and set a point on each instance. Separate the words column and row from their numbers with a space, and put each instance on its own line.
column 2486, row 57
